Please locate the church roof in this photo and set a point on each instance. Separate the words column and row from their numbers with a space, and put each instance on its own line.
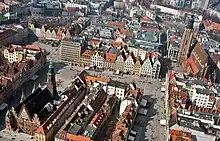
column 35, row 103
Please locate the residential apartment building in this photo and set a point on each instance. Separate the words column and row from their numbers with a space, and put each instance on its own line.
column 97, row 60
column 119, row 64
column 85, row 58
column 110, row 58
column 117, row 88
column 137, row 68
column 156, row 69
column 200, row 94
column 146, row 68
column 173, row 53
column 16, row 53
column 129, row 65
column 70, row 52
column 203, row 97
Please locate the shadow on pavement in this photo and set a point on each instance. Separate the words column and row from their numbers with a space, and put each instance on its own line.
column 142, row 121
column 28, row 88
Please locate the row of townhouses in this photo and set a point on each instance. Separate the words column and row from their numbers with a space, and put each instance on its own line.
column 113, row 59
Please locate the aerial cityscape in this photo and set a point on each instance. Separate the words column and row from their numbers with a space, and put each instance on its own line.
column 110, row 70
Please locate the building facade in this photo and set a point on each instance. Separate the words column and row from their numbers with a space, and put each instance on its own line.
column 97, row 60
column 14, row 54
column 119, row 64
column 173, row 53
column 70, row 52
column 129, row 65
column 85, row 58
column 137, row 68
column 117, row 88
column 156, row 69
column 146, row 68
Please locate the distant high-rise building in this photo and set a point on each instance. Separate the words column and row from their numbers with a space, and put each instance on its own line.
column 186, row 41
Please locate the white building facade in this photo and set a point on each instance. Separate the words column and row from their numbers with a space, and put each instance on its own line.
column 129, row 65
column 97, row 60
column 146, row 68
column 156, row 69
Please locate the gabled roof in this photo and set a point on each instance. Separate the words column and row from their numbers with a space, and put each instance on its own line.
column 35, row 102
column 93, row 79
column 87, row 53
column 190, row 63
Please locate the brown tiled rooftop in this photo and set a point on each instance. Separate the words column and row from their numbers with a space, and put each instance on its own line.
column 87, row 53
column 177, row 135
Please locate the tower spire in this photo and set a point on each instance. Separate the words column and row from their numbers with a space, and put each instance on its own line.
column 51, row 80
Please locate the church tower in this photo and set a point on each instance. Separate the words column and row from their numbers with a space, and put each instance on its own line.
column 51, row 80
column 186, row 41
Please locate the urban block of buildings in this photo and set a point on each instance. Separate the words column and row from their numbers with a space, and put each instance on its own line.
column 23, row 63
column 81, row 112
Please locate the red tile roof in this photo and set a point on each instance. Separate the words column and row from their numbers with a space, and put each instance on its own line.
column 33, row 47
column 146, row 19
column 123, row 31
column 154, row 54
column 172, row 77
column 207, row 22
column 117, row 44
column 98, row 118
column 93, row 79
column 177, row 135
column 147, row 54
column 71, row 137
column 87, row 53
column 110, row 57
column 216, row 26
column 118, row 24
column 59, row 34
column 190, row 64
column 11, row 2
column 95, row 42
